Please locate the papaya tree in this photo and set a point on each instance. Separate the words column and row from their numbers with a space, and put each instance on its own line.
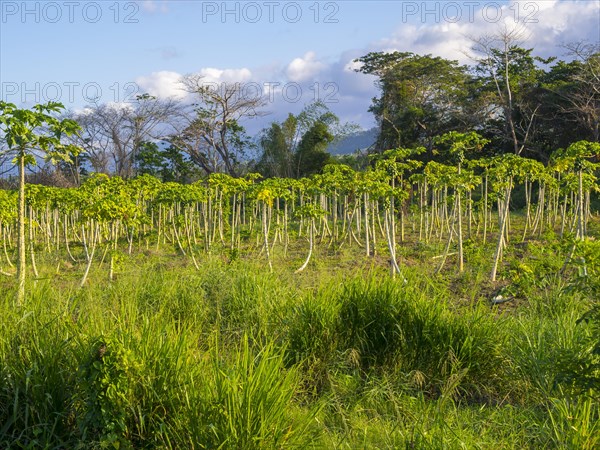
column 8, row 207
column 459, row 144
column 394, row 164
column 578, row 158
column 504, row 170
column 310, row 211
column 31, row 133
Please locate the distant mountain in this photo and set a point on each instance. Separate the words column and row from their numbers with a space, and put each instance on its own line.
column 355, row 141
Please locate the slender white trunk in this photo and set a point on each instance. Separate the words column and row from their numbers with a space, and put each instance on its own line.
column 311, row 245
column 21, row 261
column 266, row 235
column 503, row 221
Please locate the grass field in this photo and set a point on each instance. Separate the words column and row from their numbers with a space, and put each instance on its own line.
column 340, row 356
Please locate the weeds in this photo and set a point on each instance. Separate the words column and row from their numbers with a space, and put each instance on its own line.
column 229, row 356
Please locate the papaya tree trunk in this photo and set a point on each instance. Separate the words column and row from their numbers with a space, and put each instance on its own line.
column 21, row 252
column 503, row 220
column 461, row 258
column 266, row 235
column 311, row 245
column 580, row 217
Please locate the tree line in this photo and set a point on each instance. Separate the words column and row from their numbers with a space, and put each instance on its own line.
column 519, row 102
column 522, row 103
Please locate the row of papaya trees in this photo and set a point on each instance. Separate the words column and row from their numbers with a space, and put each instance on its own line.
column 397, row 197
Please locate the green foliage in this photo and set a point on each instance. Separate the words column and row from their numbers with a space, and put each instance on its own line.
column 298, row 146
column 277, row 144
column 418, row 94
column 512, row 97
column 107, row 381
column 168, row 164
column 23, row 132
column 388, row 327
column 311, row 156
column 575, row 423
column 27, row 133
column 224, row 354
column 108, row 199
column 582, row 369
column 461, row 144
column 245, row 403
column 230, row 356
column 37, row 367
column 8, row 207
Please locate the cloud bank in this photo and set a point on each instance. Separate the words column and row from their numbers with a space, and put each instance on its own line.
column 288, row 86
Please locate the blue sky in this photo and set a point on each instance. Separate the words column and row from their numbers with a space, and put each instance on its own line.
column 70, row 50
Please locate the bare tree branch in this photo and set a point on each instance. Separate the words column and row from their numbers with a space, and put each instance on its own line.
column 211, row 134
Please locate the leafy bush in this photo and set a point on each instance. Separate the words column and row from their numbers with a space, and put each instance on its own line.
column 107, row 388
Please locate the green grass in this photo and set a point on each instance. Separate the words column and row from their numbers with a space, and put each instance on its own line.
column 338, row 357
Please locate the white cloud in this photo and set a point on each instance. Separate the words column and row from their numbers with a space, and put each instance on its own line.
column 541, row 5
column 305, row 68
column 566, row 22
column 167, row 84
column 545, row 25
column 352, row 65
column 119, row 106
column 212, row 75
column 83, row 111
column 115, row 106
column 163, row 84
column 153, row 6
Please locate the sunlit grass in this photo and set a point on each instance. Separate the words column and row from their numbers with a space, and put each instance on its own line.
column 233, row 356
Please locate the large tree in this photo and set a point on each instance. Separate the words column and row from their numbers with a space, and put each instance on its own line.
column 165, row 162
column 421, row 97
column 311, row 155
column 277, row 144
column 112, row 133
column 212, row 133
column 582, row 92
column 510, row 76
column 298, row 146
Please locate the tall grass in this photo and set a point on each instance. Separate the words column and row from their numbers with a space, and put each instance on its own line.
column 384, row 325
column 135, row 365
column 230, row 356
